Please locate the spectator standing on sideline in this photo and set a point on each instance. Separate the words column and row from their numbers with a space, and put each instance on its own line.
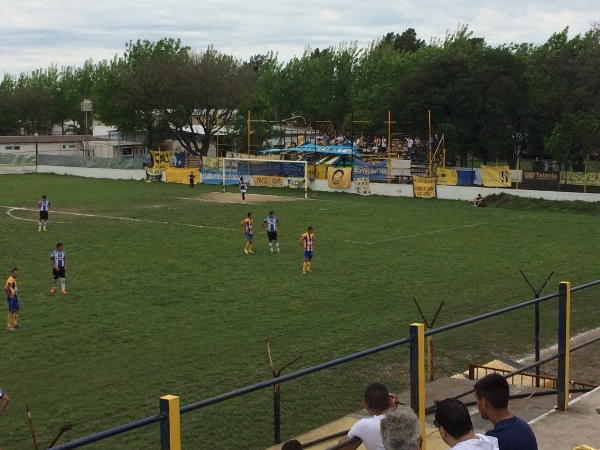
column 243, row 184
column 247, row 225
column 307, row 242
column 271, row 225
column 400, row 430
column 12, row 297
column 191, row 177
column 44, row 205
column 378, row 401
column 453, row 421
column 492, row 394
column 479, row 201
column 5, row 399
column 58, row 260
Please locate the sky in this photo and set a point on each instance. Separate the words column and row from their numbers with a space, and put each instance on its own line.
column 39, row 33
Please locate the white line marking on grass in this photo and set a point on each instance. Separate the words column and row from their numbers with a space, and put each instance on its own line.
column 409, row 236
column 10, row 208
column 574, row 340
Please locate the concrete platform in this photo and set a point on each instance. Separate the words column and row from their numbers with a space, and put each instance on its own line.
column 579, row 425
column 554, row 430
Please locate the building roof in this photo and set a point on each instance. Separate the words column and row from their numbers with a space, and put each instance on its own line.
column 48, row 139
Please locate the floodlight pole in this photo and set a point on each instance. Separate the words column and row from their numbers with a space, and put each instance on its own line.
column 537, row 324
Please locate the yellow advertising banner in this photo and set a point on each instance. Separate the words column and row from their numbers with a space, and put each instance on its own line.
column 339, row 177
column 446, row 177
column 161, row 158
column 424, row 187
column 581, row 178
column 268, row 180
column 211, row 163
column 498, row 176
column 175, row 175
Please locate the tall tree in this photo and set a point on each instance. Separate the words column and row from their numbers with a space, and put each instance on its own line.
column 206, row 90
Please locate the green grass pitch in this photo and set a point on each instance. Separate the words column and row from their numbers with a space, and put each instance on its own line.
column 162, row 300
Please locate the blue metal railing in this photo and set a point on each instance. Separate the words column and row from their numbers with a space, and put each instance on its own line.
column 307, row 371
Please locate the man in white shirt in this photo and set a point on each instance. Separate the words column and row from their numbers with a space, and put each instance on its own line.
column 378, row 401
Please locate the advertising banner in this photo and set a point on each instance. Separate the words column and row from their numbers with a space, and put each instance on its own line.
column 498, row 176
column 374, row 172
column 581, row 178
column 268, row 180
column 534, row 179
column 424, row 187
column 175, row 175
column 339, row 177
column 446, row 177
column 161, row 159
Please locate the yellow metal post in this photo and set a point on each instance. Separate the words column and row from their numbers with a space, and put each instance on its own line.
column 170, row 427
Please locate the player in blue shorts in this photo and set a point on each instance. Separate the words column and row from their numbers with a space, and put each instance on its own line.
column 12, row 298
column 247, row 226
column 307, row 242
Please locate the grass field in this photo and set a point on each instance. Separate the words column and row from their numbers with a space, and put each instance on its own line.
column 162, row 300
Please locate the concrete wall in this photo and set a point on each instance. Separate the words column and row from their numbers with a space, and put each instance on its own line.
column 465, row 193
column 113, row 174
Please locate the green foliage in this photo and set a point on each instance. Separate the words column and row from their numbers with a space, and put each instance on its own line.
column 495, row 101
column 168, row 303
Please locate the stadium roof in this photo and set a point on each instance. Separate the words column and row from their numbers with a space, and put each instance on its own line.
column 310, row 147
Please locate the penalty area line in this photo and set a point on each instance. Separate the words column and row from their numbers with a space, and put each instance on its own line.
column 130, row 219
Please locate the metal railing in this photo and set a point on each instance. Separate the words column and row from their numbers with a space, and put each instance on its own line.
column 416, row 340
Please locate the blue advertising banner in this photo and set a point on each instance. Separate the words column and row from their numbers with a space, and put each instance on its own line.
column 375, row 172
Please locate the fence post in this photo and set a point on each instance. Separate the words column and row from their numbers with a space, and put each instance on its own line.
column 417, row 373
column 564, row 332
column 170, row 427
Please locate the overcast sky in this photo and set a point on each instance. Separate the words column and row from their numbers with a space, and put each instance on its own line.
column 36, row 34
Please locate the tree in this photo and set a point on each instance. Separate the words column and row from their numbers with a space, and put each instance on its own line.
column 405, row 42
column 206, row 90
column 130, row 91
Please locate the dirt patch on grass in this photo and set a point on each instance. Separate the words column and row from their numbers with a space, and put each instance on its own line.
column 228, row 197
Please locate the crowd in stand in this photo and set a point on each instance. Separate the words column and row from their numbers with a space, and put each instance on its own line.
column 376, row 144
column 392, row 426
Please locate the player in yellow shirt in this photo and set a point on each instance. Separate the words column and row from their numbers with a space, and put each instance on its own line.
column 307, row 242
column 247, row 226
column 12, row 298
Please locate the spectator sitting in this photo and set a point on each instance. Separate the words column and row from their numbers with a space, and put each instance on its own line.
column 378, row 401
column 479, row 201
column 292, row 445
column 400, row 430
column 453, row 421
column 492, row 394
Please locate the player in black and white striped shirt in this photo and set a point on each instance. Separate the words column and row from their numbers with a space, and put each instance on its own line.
column 271, row 224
